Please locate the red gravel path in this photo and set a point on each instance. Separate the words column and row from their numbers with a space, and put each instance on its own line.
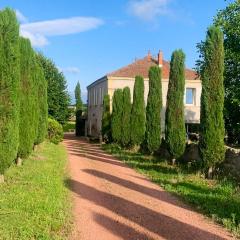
column 112, row 201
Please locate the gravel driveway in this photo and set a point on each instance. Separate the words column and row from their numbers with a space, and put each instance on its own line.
column 111, row 201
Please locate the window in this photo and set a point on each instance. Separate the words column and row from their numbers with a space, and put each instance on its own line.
column 190, row 96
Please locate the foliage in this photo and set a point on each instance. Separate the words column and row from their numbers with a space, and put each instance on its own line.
column 212, row 100
column 41, row 102
column 27, row 98
column 229, row 21
column 175, row 123
column 106, row 119
column 116, row 121
column 211, row 197
column 9, row 88
column 78, row 98
column 34, row 199
column 69, row 126
column 78, row 109
column 126, row 117
column 58, row 98
column 138, row 117
column 153, row 110
column 55, row 131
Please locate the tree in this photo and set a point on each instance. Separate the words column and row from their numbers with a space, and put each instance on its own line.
column 138, row 112
column 175, row 132
column 78, row 109
column 229, row 21
column 9, row 88
column 116, row 123
column 58, row 98
column 153, row 110
column 106, row 119
column 212, row 147
column 27, row 96
column 126, row 117
column 78, row 97
column 41, row 94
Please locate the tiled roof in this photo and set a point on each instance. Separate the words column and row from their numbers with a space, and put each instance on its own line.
column 141, row 67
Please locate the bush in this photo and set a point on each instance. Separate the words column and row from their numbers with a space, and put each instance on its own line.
column 55, row 131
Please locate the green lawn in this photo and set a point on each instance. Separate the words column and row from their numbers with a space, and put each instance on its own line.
column 219, row 200
column 34, row 202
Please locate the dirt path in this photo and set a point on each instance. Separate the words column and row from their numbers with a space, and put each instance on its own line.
column 112, row 201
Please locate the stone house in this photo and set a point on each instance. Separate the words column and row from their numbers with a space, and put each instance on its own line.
column 125, row 76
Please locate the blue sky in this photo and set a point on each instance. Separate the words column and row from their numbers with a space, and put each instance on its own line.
column 87, row 39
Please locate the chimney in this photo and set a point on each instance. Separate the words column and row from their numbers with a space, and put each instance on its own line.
column 149, row 56
column 160, row 59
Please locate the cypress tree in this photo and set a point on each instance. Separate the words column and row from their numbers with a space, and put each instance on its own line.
column 212, row 100
column 106, row 119
column 153, row 110
column 9, row 88
column 175, row 123
column 126, row 116
column 27, row 125
column 41, row 95
column 138, row 112
column 116, row 123
column 78, row 109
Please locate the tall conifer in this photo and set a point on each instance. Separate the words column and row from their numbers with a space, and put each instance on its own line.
column 153, row 110
column 175, row 123
column 138, row 116
column 212, row 100
column 106, row 119
column 126, row 117
column 78, row 109
column 9, row 88
column 117, row 108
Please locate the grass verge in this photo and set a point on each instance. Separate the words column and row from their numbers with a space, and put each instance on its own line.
column 34, row 202
column 218, row 199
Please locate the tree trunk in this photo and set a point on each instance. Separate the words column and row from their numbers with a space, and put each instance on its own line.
column 19, row 162
column 210, row 173
column 173, row 161
column 1, row 178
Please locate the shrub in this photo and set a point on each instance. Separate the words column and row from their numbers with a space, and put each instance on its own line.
column 153, row 110
column 138, row 112
column 212, row 100
column 175, row 123
column 9, row 88
column 55, row 131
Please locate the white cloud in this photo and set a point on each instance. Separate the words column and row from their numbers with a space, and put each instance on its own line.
column 71, row 70
column 38, row 32
column 37, row 40
column 148, row 9
column 21, row 18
